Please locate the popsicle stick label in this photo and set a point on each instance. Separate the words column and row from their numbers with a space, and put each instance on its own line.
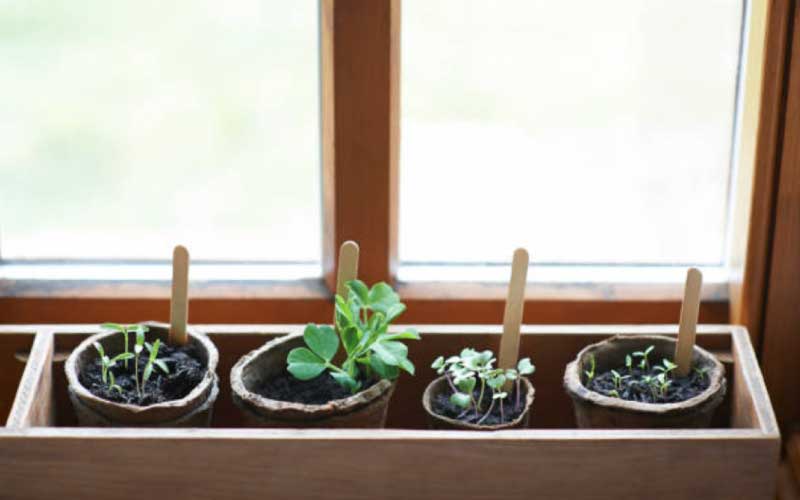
column 348, row 266
column 179, row 303
column 512, row 317
column 687, row 331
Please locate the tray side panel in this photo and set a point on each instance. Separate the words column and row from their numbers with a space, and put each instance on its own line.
column 83, row 466
column 33, row 404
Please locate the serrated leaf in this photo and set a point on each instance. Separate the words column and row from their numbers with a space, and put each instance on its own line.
column 322, row 340
column 303, row 364
column 460, row 399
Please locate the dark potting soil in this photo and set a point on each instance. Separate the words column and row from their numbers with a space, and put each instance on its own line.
column 636, row 388
column 500, row 414
column 316, row 391
column 186, row 370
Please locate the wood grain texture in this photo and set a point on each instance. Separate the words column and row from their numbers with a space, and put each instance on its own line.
column 179, row 302
column 51, row 463
column 512, row 315
column 33, row 403
column 751, row 265
column 361, row 39
column 690, row 310
column 781, row 342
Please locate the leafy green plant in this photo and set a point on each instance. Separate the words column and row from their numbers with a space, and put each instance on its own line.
column 362, row 325
column 470, row 367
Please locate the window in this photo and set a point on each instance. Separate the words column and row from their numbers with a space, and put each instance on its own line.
column 589, row 132
column 128, row 127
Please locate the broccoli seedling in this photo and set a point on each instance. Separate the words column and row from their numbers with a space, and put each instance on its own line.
column 362, row 323
column 463, row 372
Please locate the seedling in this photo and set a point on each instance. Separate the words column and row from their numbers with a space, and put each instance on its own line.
column 590, row 372
column 362, row 323
column 124, row 330
column 463, row 372
column 702, row 373
column 618, row 379
column 108, row 363
column 644, row 364
column 629, row 363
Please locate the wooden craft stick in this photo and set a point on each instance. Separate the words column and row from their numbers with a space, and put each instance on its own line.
column 179, row 304
column 690, row 310
column 348, row 267
column 512, row 317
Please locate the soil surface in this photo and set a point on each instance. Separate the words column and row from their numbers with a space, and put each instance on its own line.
column 636, row 388
column 441, row 405
column 316, row 391
column 186, row 370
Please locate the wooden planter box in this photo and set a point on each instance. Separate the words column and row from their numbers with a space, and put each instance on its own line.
column 42, row 454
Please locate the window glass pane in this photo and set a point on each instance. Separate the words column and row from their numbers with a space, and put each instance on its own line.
column 590, row 132
column 128, row 127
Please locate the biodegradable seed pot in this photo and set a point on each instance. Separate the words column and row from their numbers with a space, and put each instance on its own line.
column 473, row 395
column 171, row 386
column 299, row 380
column 628, row 382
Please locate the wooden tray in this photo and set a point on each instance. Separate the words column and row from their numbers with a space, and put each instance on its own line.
column 42, row 454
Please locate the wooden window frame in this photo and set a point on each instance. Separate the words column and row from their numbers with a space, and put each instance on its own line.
column 360, row 77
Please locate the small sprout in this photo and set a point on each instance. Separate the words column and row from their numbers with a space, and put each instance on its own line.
column 629, row 362
column 702, row 373
column 613, row 393
column 590, row 372
column 618, row 379
column 645, row 363
column 525, row 367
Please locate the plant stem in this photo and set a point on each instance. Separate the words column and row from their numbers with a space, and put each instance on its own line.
column 516, row 406
column 501, row 412
column 125, row 338
column 480, row 397
column 447, row 376
column 136, row 375
column 491, row 406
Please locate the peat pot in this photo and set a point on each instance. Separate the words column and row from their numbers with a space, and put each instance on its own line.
column 594, row 410
column 436, row 421
column 192, row 410
column 366, row 409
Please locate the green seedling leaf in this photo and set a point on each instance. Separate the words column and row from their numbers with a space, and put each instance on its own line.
column 525, row 367
column 461, row 400
column 99, row 348
column 113, row 326
column 322, row 340
column 359, row 291
column 382, row 298
column 346, row 381
column 394, row 311
column 163, row 366
column 122, row 357
column 511, row 374
column 148, row 371
column 438, row 363
column 466, row 385
column 385, row 371
column 350, row 339
column 497, row 381
column 304, row 364
column 410, row 334
column 499, row 395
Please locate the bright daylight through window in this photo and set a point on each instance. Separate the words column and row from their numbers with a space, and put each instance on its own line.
column 589, row 132
column 128, row 127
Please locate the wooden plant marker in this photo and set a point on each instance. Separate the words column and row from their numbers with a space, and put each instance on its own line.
column 512, row 317
column 179, row 304
column 690, row 310
column 348, row 266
